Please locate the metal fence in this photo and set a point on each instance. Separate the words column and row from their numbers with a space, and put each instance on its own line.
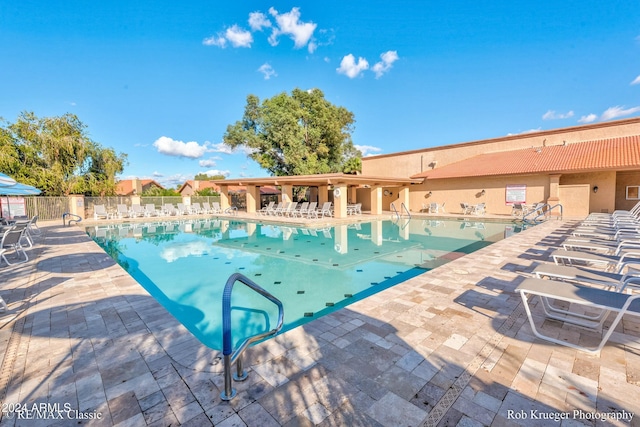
column 52, row 208
column 47, row 208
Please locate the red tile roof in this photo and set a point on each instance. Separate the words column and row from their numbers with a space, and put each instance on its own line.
column 621, row 153
column 125, row 187
column 232, row 188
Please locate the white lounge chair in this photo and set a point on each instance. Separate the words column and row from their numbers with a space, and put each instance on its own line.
column 265, row 210
column 311, row 208
column 150, row 210
column 301, row 210
column 274, row 211
column 195, row 209
column 11, row 239
column 136, row 211
column 100, row 212
column 326, row 210
column 601, row 299
column 169, row 209
column 215, row 208
column 123, row 211
column 608, row 280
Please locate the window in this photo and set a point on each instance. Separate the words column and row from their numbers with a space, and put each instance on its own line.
column 633, row 192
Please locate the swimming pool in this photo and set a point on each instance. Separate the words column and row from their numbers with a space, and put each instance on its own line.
column 185, row 264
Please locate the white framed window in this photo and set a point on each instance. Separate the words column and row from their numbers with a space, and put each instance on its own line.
column 633, row 192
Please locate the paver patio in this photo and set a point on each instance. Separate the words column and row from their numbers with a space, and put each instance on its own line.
column 449, row 347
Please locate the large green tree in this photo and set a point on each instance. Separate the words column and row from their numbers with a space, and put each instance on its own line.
column 297, row 134
column 56, row 155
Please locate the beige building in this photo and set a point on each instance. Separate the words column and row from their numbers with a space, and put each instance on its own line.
column 583, row 169
column 590, row 168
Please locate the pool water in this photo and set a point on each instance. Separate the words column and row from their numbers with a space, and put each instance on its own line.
column 185, row 264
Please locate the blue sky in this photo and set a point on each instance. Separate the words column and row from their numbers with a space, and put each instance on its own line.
column 161, row 80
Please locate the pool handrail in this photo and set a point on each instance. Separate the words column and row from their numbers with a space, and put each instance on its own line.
column 230, row 355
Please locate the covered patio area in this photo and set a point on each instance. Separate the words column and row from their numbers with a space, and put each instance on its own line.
column 344, row 190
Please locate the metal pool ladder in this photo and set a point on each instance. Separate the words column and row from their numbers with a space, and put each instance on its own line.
column 232, row 356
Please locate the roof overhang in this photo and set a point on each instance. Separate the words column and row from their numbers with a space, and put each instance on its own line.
column 324, row 179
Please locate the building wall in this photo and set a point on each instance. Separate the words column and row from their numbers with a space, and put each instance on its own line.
column 624, row 179
column 409, row 163
column 452, row 192
column 572, row 199
column 611, row 186
column 602, row 201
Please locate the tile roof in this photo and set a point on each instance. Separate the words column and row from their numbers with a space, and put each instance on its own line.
column 607, row 154
column 125, row 187
column 213, row 184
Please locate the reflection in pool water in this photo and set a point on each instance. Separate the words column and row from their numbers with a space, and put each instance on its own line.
column 313, row 271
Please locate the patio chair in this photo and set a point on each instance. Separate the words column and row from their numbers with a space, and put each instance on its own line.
column 624, row 276
column 195, row 209
column 274, row 211
column 150, row 210
column 123, row 212
column 605, row 262
column 265, row 210
column 604, row 300
column 100, row 212
column 479, row 209
column 301, row 210
column 310, row 208
column 11, row 239
column 282, row 208
column 355, row 209
column 182, row 209
column 466, row 209
column 326, row 210
column 169, row 209
column 215, row 208
column 137, row 211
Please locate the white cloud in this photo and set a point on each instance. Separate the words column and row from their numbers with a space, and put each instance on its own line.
column 175, row 251
column 157, row 174
column 268, row 71
column 552, row 115
column 368, row 150
column 525, row 132
column 218, row 41
column 289, row 24
column 618, row 111
column 351, row 68
column 239, row 37
column 220, row 147
column 588, row 118
column 211, row 172
column 175, row 180
column 258, row 21
column 208, row 163
column 235, row 35
column 171, row 147
column 388, row 58
column 636, row 81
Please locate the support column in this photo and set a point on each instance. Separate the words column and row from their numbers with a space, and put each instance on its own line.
column 253, row 197
column 403, row 197
column 376, row 233
column 287, row 193
column 76, row 205
column 340, row 201
column 353, row 194
column 224, row 197
column 554, row 192
column 554, row 189
column 323, row 194
column 341, row 239
column 376, row 200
